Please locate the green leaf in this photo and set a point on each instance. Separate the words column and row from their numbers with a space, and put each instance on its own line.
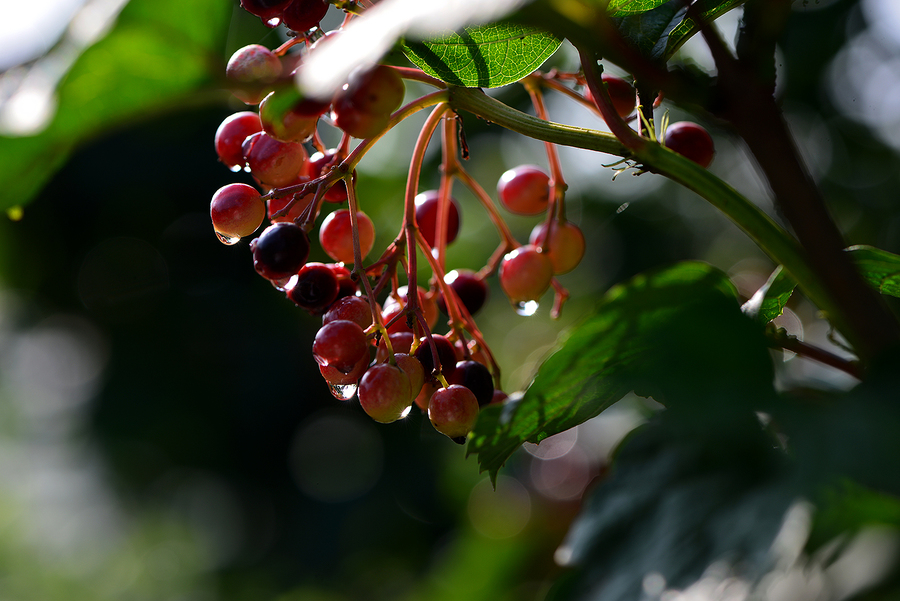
column 620, row 8
column 154, row 56
column 770, row 300
column 878, row 267
column 676, row 334
column 657, row 29
column 675, row 504
column 485, row 57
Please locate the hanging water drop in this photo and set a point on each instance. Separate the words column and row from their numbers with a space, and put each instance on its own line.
column 343, row 392
column 406, row 412
column 527, row 308
column 228, row 240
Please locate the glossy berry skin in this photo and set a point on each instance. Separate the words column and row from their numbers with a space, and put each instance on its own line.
column 565, row 246
column 280, row 251
column 525, row 274
column 350, row 308
column 446, row 355
column 453, row 412
column 336, row 235
column 384, row 393
column 231, row 135
column 471, row 290
column 319, row 164
column 250, row 72
column 236, row 210
column 427, row 217
column 362, row 108
column 303, row 15
column 284, row 122
column 315, row 288
column 265, row 9
column 338, row 378
column 476, row 377
column 346, row 285
column 620, row 92
column 524, row 190
column 401, row 342
column 691, row 141
column 413, row 370
column 340, row 344
column 272, row 162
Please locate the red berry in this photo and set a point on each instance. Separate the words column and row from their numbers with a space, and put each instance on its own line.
column 384, row 392
column 453, row 411
column 524, row 190
column 303, row 15
column 285, row 119
column 346, row 285
column 231, row 135
column 620, row 92
column 315, row 288
column 300, row 205
column 364, row 105
column 340, row 344
column 336, row 235
column 280, row 251
column 691, row 141
column 427, row 217
column 265, row 9
column 236, row 210
column 525, row 274
column 468, row 287
column 476, row 377
column 350, row 308
column 319, row 164
column 446, row 355
column 272, row 162
column 401, row 342
column 565, row 246
column 338, row 378
column 251, row 71
column 427, row 303
column 413, row 370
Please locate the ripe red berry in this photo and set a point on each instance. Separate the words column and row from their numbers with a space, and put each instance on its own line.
column 280, row 251
column 427, row 205
column 413, row 370
column 427, row 303
column 346, row 285
column 525, row 274
column 384, row 392
column 336, row 235
column 231, row 135
column 524, row 190
column 364, row 105
column 251, row 71
column 453, row 411
column 401, row 342
column 350, row 308
column 272, row 162
column 267, row 10
column 565, row 246
column 476, row 377
column 340, row 344
column 468, row 287
column 335, row 377
column 315, row 288
column 691, row 141
column 236, row 210
column 620, row 92
column 285, row 119
column 446, row 355
column 303, row 15
column 319, row 163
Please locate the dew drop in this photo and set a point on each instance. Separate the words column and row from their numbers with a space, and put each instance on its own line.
column 342, row 392
column 229, row 240
column 236, row 168
column 527, row 308
column 273, row 22
column 406, row 412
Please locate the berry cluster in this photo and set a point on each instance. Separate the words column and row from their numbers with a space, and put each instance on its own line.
column 387, row 352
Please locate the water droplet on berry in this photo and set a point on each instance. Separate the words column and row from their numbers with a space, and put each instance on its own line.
column 229, row 240
column 343, row 392
column 236, row 168
column 406, row 412
column 273, row 22
column 282, row 284
column 527, row 308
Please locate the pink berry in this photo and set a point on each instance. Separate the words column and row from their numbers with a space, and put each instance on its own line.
column 525, row 274
column 524, row 190
column 236, row 211
column 691, row 141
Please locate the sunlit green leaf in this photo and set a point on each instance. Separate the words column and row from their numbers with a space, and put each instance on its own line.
column 620, row 8
column 770, row 300
column 654, row 335
column 486, row 57
column 878, row 267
